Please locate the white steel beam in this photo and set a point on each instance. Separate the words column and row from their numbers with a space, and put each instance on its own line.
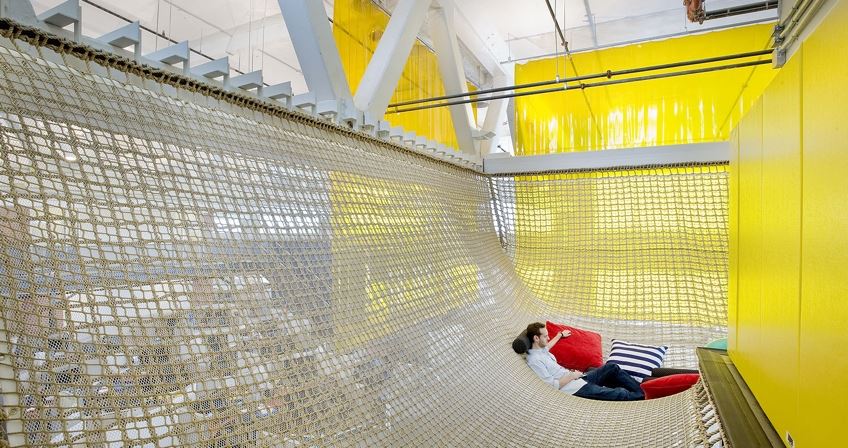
column 482, row 39
column 495, row 115
column 695, row 153
column 386, row 66
column 316, row 49
column 486, row 43
column 590, row 18
column 446, row 45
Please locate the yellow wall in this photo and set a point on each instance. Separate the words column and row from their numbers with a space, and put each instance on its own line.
column 357, row 27
column 789, row 242
column 687, row 109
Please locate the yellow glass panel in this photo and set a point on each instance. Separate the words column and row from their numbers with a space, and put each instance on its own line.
column 686, row 109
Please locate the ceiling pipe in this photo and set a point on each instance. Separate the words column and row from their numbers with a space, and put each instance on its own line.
column 589, row 85
column 742, row 9
column 606, row 74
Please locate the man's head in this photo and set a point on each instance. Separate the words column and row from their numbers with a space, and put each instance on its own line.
column 538, row 335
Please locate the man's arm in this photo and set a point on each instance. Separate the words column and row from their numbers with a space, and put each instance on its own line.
column 549, row 378
column 544, row 374
column 560, row 335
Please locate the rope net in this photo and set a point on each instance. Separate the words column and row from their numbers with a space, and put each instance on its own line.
column 636, row 253
column 183, row 268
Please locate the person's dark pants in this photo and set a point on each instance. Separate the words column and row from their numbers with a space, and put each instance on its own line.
column 610, row 383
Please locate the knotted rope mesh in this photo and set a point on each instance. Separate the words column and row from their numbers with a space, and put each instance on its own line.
column 184, row 268
column 638, row 253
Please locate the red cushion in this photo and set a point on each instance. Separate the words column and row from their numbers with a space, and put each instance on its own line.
column 580, row 351
column 669, row 385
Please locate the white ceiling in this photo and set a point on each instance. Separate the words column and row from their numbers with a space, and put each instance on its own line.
column 253, row 34
column 529, row 31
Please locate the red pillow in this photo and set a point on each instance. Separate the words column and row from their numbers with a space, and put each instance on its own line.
column 580, row 351
column 669, row 385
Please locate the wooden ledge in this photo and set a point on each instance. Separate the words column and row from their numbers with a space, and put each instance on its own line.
column 745, row 424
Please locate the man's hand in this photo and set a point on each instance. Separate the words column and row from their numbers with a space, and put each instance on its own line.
column 565, row 333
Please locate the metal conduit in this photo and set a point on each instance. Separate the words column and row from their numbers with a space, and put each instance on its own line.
column 587, row 85
column 798, row 10
column 800, row 25
column 607, row 74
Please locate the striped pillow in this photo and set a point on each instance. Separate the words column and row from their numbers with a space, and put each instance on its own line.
column 636, row 359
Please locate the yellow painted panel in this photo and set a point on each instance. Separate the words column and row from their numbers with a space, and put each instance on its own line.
column 749, row 307
column 686, row 109
column 358, row 26
column 733, row 241
column 778, row 352
column 824, row 280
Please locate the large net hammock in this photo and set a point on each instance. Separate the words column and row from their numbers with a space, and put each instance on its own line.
column 186, row 267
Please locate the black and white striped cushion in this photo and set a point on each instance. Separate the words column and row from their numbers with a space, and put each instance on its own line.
column 636, row 359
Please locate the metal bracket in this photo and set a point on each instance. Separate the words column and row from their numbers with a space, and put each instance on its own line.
column 64, row 14
column 778, row 58
column 125, row 36
column 213, row 69
column 305, row 101
column 247, row 81
column 175, row 54
column 281, row 92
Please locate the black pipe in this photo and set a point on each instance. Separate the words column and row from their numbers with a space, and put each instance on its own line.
column 588, row 85
column 556, row 25
column 742, row 9
column 606, row 74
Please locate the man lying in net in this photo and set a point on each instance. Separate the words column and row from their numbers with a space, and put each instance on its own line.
column 608, row 382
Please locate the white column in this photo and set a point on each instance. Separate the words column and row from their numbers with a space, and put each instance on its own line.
column 446, row 45
column 316, row 49
column 386, row 66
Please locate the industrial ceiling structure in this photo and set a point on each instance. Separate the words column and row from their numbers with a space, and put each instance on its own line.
column 254, row 35
column 492, row 35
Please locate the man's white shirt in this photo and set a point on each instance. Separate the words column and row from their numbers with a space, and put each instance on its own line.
column 544, row 364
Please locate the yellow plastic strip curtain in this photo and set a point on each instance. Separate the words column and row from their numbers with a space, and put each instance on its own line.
column 687, row 109
column 358, row 26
